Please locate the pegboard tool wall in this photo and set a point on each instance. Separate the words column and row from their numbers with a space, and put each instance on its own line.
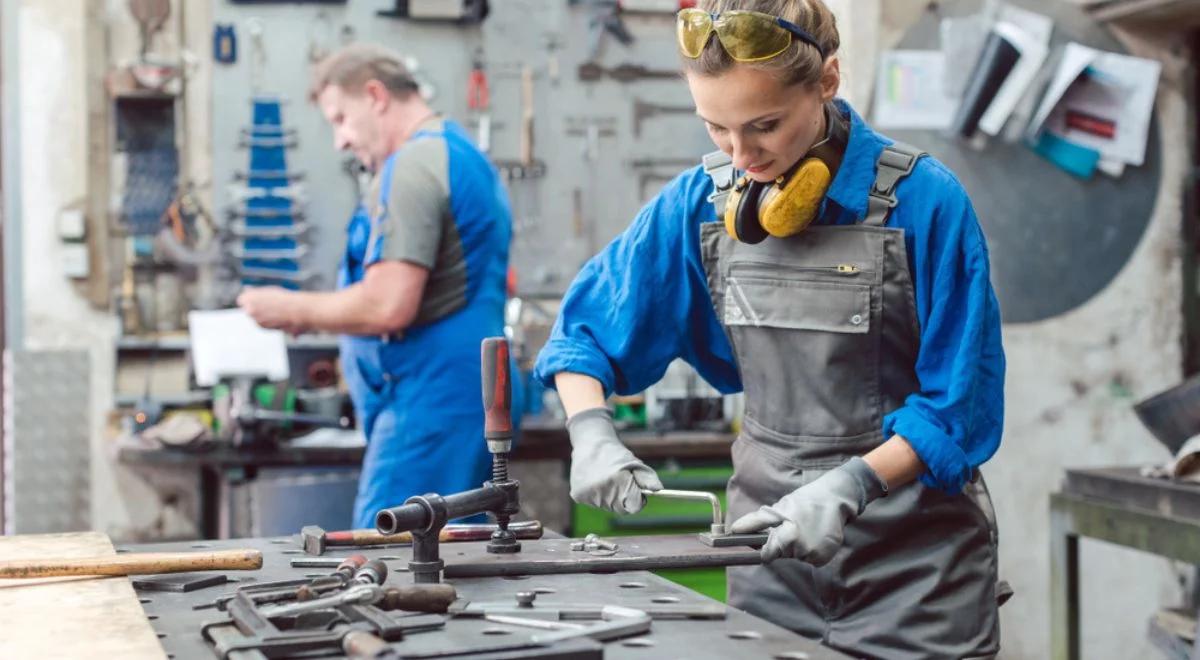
column 561, row 219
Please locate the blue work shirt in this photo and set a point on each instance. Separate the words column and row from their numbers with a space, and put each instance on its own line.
column 644, row 301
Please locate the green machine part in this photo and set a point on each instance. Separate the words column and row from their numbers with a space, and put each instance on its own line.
column 668, row 516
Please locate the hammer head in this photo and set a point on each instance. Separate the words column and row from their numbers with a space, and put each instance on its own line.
column 312, row 539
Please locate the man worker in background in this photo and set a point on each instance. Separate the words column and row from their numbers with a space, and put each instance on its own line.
column 421, row 284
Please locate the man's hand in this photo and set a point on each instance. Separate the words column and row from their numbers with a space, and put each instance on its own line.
column 273, row 307
column 808, row 523
column 603, row 472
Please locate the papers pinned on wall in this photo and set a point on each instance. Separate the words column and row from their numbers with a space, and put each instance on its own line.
column 908, row 91
column 1089, row 110
column 1102, row 102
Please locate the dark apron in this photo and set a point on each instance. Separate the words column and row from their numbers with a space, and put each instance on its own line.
column 824, row 329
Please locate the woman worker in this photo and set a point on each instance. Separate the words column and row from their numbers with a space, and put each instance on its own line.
column 841, row 281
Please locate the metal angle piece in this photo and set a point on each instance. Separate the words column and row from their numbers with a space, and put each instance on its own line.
column 180, row 582
column 733, row 540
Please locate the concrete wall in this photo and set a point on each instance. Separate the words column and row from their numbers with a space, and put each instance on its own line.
column 1071, row 383
column 54, row 101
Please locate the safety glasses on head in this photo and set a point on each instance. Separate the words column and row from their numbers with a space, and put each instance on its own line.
column 748, row 36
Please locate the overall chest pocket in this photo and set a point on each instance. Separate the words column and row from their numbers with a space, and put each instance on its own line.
column 807, row 351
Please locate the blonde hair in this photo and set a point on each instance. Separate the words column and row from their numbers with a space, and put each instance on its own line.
column 353, row 66
column 800, row 64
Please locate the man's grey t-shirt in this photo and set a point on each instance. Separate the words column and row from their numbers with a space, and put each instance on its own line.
column 419, row 225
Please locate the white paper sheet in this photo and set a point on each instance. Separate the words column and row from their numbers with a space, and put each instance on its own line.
column 1034, row 49
column 908, row 91
column 1136, row 79
column 228, row 342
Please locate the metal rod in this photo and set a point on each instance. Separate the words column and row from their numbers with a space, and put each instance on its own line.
column 718, row 519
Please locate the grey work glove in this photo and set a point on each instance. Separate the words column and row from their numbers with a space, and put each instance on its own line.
column 604, row 473
column 808, row 523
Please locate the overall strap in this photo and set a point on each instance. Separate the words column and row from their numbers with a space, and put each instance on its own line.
column 719, row 167
column 385, row 189
column 896, row 162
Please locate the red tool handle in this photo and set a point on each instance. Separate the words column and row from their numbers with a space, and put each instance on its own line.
column 497, row 389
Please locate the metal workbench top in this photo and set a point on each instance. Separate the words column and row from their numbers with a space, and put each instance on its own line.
column 1126, row 486
column 739, row 635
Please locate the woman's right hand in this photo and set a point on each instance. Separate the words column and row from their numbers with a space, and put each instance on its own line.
column 604, row 473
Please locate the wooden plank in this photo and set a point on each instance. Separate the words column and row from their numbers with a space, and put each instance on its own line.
column 1179, row 13
column 71, row 617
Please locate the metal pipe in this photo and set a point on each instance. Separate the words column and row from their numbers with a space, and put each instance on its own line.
column 415, row 516
column 718, row 521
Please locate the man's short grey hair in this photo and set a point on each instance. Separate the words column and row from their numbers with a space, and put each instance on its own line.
column 353, row 66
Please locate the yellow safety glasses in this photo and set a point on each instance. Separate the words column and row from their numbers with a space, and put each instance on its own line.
column 748, row 36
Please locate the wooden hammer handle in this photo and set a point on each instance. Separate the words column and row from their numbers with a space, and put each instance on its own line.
column 148, row 563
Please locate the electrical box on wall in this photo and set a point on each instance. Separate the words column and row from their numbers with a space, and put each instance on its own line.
column 75, row 260
column 72, row 225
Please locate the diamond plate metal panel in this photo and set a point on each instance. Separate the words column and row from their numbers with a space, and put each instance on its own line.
column 47, row 460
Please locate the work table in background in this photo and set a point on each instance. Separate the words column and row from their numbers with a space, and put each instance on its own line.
column 538, row 462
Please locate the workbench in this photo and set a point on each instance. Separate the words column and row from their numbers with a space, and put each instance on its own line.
column 738, row 635
column 539, row 440
column 1119, row 506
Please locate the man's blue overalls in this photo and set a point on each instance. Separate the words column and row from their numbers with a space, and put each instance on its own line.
column 418, row 397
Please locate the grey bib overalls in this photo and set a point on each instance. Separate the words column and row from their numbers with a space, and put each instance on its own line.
column 824, row 329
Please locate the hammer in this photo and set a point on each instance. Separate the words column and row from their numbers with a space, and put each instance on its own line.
column 147, row 563
column 314, row 539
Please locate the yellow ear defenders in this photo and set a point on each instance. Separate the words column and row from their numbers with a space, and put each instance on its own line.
column 789, row 204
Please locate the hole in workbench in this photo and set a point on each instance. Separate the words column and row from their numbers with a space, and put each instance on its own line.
column 544, row 590
column 151, row 617
column 792, row 655
column 638, row 643
column 280, row 541
column 289, row 552
column 162, row 635
column 121, row 550
column 664, row 599
column 201, row 545
column 390, row 558
column 516, row 577
column 145, row 601
column 745, row 634
column 633, row 585
column 497, row 631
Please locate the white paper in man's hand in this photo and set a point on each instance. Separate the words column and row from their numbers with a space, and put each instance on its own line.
column 228, row 343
